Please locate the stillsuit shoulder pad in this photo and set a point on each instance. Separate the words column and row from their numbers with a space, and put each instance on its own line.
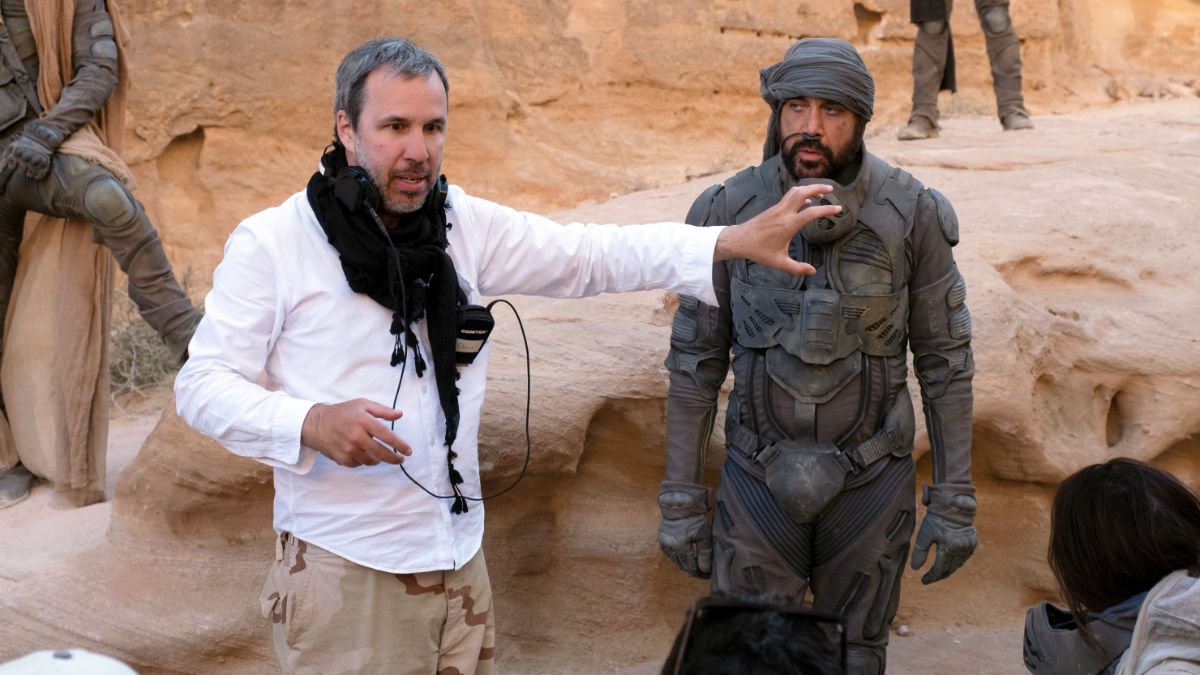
column 947, row 218
column 698, row 214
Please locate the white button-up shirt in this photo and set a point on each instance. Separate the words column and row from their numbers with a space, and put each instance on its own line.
column 282, row 331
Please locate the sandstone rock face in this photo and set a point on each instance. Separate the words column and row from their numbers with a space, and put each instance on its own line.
column 558, row 101
column 1077, row 247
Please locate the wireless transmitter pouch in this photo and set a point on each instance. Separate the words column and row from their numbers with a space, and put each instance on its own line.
column 475, row 324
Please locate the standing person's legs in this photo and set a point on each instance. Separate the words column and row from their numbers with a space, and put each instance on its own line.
column 931, row 53
column 14, row 478
column 1004, row 54
column 332, row 616
column 12, row 232
column 80, row 190
column 859, row 549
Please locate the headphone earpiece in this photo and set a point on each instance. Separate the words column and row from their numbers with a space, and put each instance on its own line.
column 354, row 188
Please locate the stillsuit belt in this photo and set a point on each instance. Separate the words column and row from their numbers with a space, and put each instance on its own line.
column 887, row 441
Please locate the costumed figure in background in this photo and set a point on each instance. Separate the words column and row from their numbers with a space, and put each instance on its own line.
column 62, row 95
column 933, row 65
column 817, row 492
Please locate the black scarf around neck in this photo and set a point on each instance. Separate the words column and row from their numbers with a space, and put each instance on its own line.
column 406, row 270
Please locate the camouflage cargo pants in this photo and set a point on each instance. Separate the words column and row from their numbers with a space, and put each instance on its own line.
column 332, row 616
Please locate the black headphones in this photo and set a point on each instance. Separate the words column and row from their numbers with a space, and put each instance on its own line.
column 354, row 188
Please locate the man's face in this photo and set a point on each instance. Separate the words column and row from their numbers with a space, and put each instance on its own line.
column 820, row 137
column 399, row 138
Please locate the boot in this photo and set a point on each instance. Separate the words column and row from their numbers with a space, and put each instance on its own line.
column 1004, row 54
column 1017, row 121
column 918, row 127
column 157, row 295
column 14, row 486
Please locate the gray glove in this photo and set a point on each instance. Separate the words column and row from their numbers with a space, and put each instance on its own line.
column 32, row 150
column 947, row 523
column 684, row 534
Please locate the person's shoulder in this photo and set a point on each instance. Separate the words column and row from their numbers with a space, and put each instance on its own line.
column 935, row 210
column 469, row 213
column 290, row 219
column 929, row 208
column 1180, row 588
column 698, row 212
column 732, row 193
column 281, row 234
column 466, row 208
column 890, row 178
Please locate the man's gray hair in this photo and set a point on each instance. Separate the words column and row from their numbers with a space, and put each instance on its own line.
column 400, row 56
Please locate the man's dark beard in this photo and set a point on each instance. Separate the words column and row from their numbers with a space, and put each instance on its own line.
column 835, row 162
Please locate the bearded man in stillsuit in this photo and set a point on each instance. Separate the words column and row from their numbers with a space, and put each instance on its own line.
column 817, row 492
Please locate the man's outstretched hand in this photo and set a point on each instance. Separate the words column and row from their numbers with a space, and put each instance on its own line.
column 351, row 433
column 766, row 237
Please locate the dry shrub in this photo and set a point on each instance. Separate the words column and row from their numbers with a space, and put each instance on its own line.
column 138, row 359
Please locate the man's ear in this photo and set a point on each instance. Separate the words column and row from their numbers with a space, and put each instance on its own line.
column 345, row 130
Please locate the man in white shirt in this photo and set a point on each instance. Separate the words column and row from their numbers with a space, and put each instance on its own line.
column 327, row 352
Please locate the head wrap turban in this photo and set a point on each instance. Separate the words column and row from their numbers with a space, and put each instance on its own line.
column 824, row 68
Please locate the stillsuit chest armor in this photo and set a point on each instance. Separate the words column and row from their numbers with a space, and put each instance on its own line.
column 809, row 335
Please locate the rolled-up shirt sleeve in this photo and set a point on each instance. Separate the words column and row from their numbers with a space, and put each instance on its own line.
column 523, row 253
column 218, row 391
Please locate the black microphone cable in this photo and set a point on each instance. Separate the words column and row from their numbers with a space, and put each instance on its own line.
column 528, row 407
column 403, row 354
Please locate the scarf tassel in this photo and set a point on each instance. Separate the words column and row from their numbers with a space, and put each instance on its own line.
column 397, row 353
column 459, row 506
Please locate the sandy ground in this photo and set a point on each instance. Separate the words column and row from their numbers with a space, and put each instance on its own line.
column 43, row 527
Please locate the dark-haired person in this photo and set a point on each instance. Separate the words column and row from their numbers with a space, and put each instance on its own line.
column 328, row 352
column 736, row 635
column 817, row 492
column 933, row 65
column 1125, row 549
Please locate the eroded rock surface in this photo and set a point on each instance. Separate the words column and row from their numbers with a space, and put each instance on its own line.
column 1077, row 247
column 553, row 103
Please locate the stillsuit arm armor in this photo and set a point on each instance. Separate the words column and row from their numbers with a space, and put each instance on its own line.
column 940, row 338
column 94, row 54
column 698, row 361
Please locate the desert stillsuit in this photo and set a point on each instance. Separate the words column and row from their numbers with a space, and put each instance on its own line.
column 816, row 494
column 819, row 366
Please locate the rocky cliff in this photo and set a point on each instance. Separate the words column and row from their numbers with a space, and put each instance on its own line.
column 554, row 102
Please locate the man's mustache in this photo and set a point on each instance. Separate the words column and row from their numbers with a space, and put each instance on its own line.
column 413, row 170
column 806, row 142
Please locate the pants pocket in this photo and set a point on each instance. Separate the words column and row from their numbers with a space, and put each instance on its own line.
column 271, row 601
column 722, row 562
column 887, row 598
